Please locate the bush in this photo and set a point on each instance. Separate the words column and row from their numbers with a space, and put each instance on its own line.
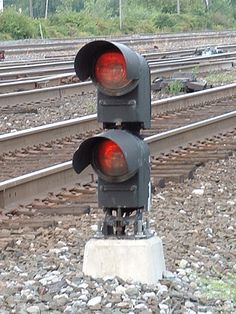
column 165, row 21
column 71, row 23
column 220, row 20
column 16, row 25
column 5, row 36
column 97, row 18
column 183, row 22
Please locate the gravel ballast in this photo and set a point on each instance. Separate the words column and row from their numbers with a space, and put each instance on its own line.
column 41, row 272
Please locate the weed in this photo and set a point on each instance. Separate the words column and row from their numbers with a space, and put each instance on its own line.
column 175, row 87
column 220, row 77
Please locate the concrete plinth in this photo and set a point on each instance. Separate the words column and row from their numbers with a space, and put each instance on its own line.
column 140, row 260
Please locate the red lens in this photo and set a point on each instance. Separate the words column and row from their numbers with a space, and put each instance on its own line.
column 110, row 70
column 110, row 159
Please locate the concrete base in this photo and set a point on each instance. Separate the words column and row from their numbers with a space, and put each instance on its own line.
column 139, row 260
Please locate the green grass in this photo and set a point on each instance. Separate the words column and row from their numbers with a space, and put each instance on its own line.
column 224, row 288
column 220, row 77
column 220, row 288
column 175, row 87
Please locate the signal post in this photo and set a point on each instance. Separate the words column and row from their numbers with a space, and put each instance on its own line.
column 123, row 245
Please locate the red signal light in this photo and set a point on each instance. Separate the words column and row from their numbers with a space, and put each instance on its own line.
column 110, row 70
column 110, row 159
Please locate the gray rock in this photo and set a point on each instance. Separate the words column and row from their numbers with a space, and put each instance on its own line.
column 94, row 301
column 132, row 291
column 34, row 309
column 61, row 299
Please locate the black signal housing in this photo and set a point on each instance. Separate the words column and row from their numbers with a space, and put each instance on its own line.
column 130, row 189
column 128, row 105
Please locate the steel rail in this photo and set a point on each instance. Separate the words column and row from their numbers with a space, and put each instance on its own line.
column 58, row 130
column 24, row 189
column 31, row 67
column 22, row 62
column 11, row 99
column 33, row 79
column 199, row 67
column 47, row 133
column 185, row 52
column 35, row 82
column 189, row 59
column 43, row 71
column 173, row 139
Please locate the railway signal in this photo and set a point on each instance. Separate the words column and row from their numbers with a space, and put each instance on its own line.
column 119, row 155
column 123, row 84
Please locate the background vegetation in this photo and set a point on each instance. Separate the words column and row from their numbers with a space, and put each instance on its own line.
column 73, row 18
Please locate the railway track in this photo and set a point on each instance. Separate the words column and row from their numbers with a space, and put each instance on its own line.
column 29, row 158
column 67, row 45
column 38, row 92
column 24, row 102
column 150, row 57
column 78, row 196
column 157, row 66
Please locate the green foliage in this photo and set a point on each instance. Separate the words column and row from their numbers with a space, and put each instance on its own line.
column 167, row 6
column 164, row 21
column 196, row 70
column 180, row 22
column 138, row 20
column 16, row 26
column 187, row 22
column 73, row 24
column 65, row 23
column 223, row 288
column 175, row 87
column 73, row 18
column 223, row 77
